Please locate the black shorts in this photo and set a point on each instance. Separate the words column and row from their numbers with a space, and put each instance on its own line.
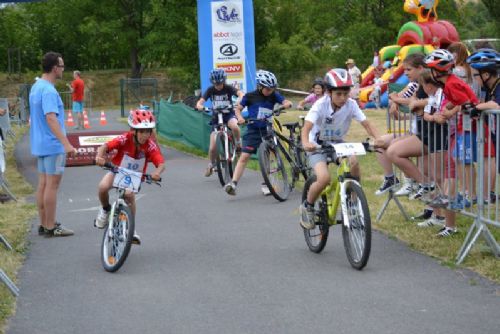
column 225, row 118
column 434, row 136
column 252, row 139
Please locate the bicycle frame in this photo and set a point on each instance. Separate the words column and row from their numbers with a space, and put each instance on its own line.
column 335, row 192
column 223, row 128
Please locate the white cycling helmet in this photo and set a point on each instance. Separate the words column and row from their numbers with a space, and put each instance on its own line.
column 441, row 60
column 266, row 79
column 337, row 78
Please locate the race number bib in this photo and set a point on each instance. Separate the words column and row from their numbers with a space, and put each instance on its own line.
column 264, row 113
column 348, row 149
column 127, row 179
column 133, row 164
column 329, row 133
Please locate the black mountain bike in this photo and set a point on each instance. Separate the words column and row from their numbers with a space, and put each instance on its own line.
column 226, row 147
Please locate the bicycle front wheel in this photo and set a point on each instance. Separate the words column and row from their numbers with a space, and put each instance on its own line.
column 117, row 239
column 317, row 237
column 273, row 171
column 224, row 162
column 358, row 236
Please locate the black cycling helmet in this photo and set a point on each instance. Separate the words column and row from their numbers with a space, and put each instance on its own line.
column 318, row 81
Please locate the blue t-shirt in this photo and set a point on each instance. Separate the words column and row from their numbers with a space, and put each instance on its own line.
column 44, row 99
column 260, row 106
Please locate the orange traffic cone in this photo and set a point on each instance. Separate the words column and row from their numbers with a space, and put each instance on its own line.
column 103, row 118
column 86, row 123
column 70, row 121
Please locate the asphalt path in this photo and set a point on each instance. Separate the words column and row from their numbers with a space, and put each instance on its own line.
column 211, row 263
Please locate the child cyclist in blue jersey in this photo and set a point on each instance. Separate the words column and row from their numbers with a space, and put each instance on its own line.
column 329, row 120
column 221, row 96
column 260, row 104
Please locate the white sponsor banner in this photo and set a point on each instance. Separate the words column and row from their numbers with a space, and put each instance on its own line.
column 95, row 140
column 228, row 39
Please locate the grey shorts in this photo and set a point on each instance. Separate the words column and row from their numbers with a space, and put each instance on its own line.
column 314, row 158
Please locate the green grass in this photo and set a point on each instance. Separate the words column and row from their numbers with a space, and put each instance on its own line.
column 14, row 225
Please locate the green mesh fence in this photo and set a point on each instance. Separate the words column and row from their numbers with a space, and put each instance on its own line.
column 178, row 122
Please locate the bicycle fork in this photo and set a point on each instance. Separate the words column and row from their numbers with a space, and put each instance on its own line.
column 343, row 200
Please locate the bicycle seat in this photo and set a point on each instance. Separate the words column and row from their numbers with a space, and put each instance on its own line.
column 291, row 126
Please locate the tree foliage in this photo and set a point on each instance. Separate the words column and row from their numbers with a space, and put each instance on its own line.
column 292, row 36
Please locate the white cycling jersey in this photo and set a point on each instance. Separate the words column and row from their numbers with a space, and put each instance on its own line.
column 329, row 125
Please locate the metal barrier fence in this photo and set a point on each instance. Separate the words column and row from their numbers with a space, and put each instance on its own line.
column 137, row 91
column 455, row 167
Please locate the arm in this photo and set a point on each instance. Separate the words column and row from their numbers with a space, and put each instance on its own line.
column 237, row 112
column 2, row 111
column 240, row 95
column 287, row 104
column 101, row 151
column 306, row 144
column 487, row 105
column 70, row 86
column 199, row 104
column 55, row 128
column 370, row 129
column 300, row 105
column 155, row 175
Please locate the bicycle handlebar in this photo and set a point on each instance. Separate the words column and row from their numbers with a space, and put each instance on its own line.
column 276, row 112
column 147, row 177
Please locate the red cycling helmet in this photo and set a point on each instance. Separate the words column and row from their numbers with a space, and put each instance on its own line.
column 337, row 78
column 141, row 119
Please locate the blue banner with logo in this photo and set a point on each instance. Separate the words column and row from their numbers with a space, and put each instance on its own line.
column 226, row 40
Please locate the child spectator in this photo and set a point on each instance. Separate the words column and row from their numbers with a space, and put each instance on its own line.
column 318, row 90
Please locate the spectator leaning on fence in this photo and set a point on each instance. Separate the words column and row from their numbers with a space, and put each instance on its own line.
column 410, row 142
column 458, row 93
column 48, row 142
column 467, row 178
column 486, row 65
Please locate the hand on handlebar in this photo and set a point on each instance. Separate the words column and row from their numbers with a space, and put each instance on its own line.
column 310, row 147
column 100, row 161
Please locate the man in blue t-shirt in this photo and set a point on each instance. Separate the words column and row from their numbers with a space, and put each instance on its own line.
column 260, row 104
column 49, row 143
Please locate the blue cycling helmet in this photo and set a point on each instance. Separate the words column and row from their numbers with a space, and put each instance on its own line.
column 218, row 76
column 266, row 79
column 484, row 59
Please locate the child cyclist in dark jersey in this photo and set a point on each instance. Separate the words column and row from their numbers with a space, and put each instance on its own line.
column 221, row 96
column 260, row 104
column 134, row 150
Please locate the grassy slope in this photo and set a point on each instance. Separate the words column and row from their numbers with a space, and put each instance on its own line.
column 14, row 225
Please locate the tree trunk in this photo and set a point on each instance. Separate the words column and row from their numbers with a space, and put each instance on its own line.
column 135, row 64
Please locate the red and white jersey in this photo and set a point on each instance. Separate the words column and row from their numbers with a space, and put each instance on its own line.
column 134, row 157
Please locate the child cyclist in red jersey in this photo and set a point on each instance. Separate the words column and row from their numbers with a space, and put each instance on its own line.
column 134, row 150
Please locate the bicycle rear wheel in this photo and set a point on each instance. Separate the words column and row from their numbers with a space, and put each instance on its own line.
column 117, row 239
column 317, row 237
column 224, row 163
column 358, row 236
column 273, row 171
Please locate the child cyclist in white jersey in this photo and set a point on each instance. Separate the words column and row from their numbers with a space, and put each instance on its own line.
column 329, row 120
